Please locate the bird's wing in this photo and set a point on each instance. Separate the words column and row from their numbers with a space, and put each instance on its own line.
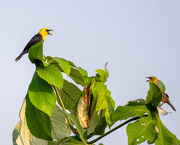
column 34, row 40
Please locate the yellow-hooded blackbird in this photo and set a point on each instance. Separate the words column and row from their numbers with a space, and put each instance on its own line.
column 40, row 36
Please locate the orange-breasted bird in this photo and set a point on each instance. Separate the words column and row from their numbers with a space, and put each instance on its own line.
column 165, row 97
column 40, row 36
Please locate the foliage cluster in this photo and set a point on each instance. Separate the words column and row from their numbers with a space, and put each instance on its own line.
column 55, row 111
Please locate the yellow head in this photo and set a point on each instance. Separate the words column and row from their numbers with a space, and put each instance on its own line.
column 153, row 79
column 44, row 32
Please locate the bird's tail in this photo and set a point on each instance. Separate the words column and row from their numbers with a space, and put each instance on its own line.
column 165, row 99
column 171, row 105
column 19, row 57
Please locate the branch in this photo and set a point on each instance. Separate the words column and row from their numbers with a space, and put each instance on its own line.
column 117, row 127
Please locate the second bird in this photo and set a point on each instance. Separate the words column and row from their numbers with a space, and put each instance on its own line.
column 40, row 36
column 165, row 97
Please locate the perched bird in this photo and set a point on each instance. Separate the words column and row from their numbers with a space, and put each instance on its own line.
column 165, row 97
column 40, row 36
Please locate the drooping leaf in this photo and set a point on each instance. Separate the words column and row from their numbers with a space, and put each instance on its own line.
column 38, row 122
column 154, row 94
column 51, row 74
column 64, row 64
column 69, row 94
column 141, row 130
column 83, row 112
column 36, row 53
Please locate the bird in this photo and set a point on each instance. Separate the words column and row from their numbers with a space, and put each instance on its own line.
column 165, row 97
column 40, row 36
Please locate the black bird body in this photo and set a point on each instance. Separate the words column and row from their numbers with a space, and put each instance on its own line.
column 39, row 37
column 34, row 40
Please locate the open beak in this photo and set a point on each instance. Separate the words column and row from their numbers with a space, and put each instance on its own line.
column 147, row 80
column 49, row 33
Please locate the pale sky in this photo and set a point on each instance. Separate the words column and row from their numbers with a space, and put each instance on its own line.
column 138, row 38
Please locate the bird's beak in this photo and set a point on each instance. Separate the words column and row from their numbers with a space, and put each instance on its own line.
column 147, row 80
column 49, row 33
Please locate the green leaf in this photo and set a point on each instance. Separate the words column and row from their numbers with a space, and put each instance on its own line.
column 60, row 125
column 165, row 136
column 80, row 130
column 101, row 126
column 38, row 122
column 51, row 74
column 125, row 112
column 21, row 133
column 140, row 131
column 36, row 53
column 104, row 100
column 60, row 129
column 69, row 95
column 96, row 88
column 93, row 123
column 154, row 94
column 42, row 95
column 101, row 103
column 110, row 109
column 104, row 74
column 72, row 64
column 64, row 64
column 136, row 102
column 161, row 85
column 83, row 72
column 77, row 77
column 46, row 61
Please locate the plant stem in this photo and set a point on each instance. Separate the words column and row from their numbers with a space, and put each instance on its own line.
column 62, row 105
column 117, row 127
